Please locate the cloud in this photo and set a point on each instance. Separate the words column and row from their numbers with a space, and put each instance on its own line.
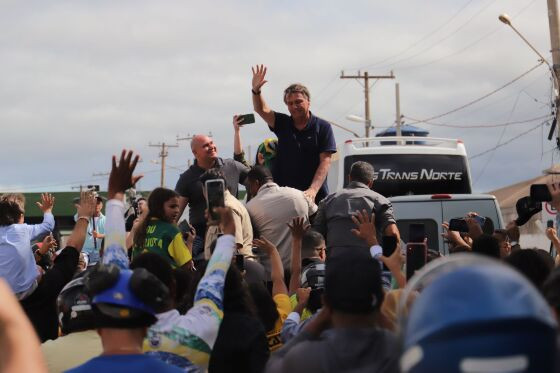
column 81, row 80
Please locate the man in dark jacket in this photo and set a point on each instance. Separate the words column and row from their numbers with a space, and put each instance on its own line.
column 353, row 296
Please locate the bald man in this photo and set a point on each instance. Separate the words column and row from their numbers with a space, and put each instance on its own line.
column 190, row 188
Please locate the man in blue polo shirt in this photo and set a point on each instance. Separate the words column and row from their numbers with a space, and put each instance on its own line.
column 305, row 142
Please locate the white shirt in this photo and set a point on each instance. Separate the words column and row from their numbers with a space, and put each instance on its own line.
column 271, row 210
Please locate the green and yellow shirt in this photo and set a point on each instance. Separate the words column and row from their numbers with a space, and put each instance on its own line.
column 165, row 239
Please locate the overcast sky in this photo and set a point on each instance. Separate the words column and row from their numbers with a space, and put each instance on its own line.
column 80, row 80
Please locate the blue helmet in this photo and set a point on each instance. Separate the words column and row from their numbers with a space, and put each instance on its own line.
column 481, row 316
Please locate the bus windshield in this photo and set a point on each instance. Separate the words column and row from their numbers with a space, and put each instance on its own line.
column 406, row 174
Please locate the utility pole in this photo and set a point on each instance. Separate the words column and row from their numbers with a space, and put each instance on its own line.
column 398, row 104
column 553, row 25
column 163, row 154
column 366, row 77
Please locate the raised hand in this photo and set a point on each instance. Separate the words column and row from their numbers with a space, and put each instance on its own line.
column 121, row 177
column 475, row 230
column 366, row 227
column 48, row 243
column 47, row 203
column 225, row 221
column 303, row 296
column 298, row 227
column 264, row 244
column 259, row 73
column 237, row 120
column 87, row 205
column 554, row 190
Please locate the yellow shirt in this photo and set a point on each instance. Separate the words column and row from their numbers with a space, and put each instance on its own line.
column 284, row 308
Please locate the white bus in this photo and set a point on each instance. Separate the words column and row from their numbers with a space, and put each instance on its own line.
column 404, row 166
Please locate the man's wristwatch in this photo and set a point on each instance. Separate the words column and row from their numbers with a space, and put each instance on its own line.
column 255, row 92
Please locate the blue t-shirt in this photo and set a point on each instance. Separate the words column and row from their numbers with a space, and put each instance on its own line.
column 298, row 154
column 125, row 363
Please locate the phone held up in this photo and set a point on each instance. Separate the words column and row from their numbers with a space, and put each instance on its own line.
column 246, row 119
column 416, row 249
column 214, row 196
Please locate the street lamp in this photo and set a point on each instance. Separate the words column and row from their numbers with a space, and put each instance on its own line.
column 367, row 122
column 504, row 18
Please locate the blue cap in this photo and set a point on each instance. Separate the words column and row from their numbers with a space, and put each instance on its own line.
column 121, row 295
column 476, row 317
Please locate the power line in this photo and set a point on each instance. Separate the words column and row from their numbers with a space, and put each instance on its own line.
column 468, row 46
column 442, row 39
column 417, row 41
column 505, row 124
column 497, row 142
column 507, row 142
column 480, row 98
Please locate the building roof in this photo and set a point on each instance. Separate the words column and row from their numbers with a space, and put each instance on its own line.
column 508, row 196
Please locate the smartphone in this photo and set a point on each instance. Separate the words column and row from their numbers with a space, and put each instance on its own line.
column 540, row 193
column 416, row 232
column 388, row 244
column 416, row 257
column 240, row 262
column 458, row 225
column 550, row 223
column 214, row 196
column 246, row 119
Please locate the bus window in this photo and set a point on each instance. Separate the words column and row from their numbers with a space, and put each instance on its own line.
column 408, row 174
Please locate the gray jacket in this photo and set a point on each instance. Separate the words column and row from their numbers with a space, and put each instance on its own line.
column 334, row 217
column 338, row 350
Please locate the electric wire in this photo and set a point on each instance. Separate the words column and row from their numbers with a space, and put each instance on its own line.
column 508, row 141
column 414, row 44
column 480, row 98
column 493, row 125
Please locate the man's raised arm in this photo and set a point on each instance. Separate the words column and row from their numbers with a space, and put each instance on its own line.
column 260, row 106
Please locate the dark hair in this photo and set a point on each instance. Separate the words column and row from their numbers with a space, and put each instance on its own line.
column 236, row 293
column 260, row 173
column 157, row 266
column 213, row 174
column 531, row 264
column 362, row 172
column 311, row 240
column 183, row 279
column 353, row 283
column 156, row 199
column 10, row 212
column 266, row 307
column 486, row 245
column 501, row 235
column 551, row 289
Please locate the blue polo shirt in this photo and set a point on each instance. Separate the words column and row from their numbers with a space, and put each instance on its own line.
column 298, row 153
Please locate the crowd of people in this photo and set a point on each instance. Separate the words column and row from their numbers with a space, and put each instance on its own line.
column 293, row 280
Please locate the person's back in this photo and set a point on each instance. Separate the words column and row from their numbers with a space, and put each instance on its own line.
column 272, row 208
column 334, row 218
column 345, row 350
column 125, row 363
